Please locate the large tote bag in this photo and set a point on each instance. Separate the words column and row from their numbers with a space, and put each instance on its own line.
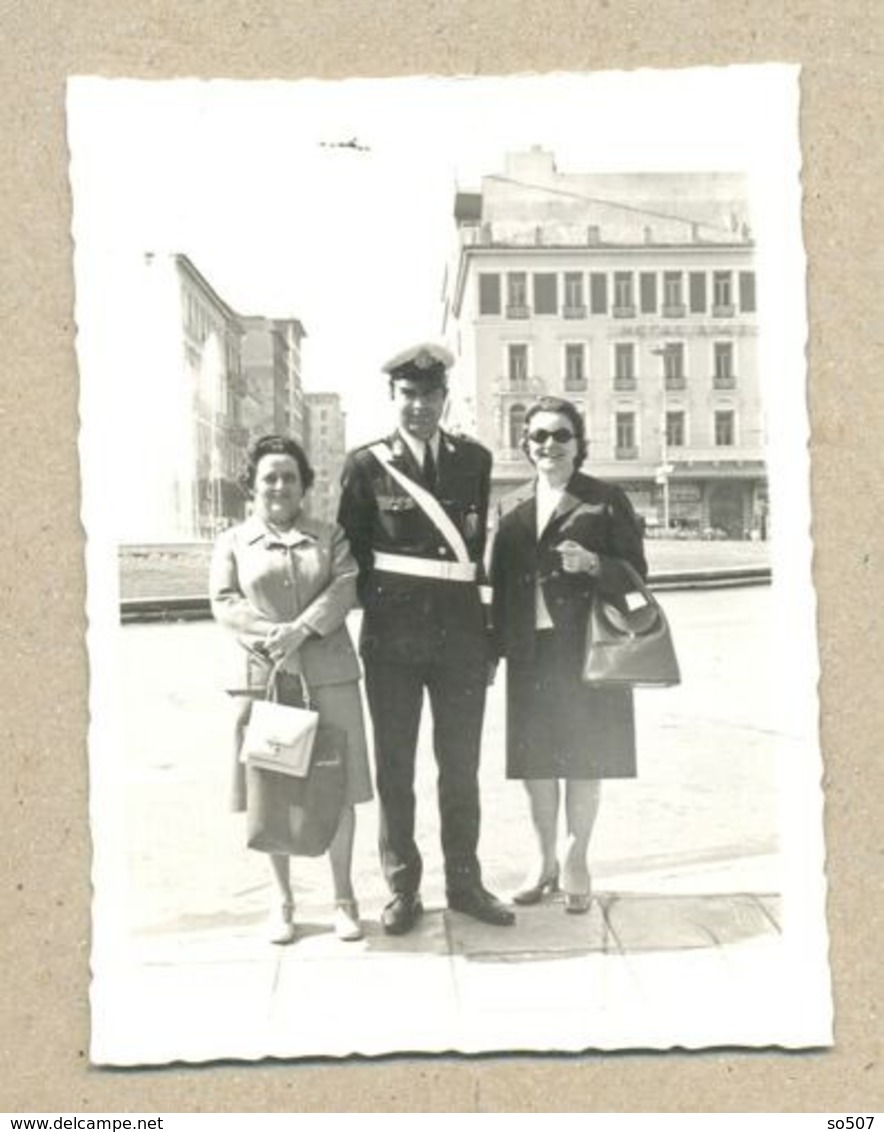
column 628, row 640
column 288, row 811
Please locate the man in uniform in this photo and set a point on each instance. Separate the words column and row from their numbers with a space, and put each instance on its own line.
column 414, row 507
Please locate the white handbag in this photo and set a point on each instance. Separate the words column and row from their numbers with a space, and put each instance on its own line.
column 279, row 737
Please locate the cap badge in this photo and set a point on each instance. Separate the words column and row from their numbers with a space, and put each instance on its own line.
column 423, row 359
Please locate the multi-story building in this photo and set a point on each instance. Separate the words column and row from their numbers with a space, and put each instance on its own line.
column 634, row 296
column 271, row 365
column 205, row 381
column 191, row 418
column 326, row 447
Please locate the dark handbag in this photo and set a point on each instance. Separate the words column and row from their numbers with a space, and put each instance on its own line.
column 628, row 641
column 299, row 816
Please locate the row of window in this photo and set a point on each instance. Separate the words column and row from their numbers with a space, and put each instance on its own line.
column 625, row 372
column 616, row 293
column 626, row 445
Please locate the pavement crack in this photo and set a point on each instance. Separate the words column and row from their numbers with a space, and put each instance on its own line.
column 606, row 905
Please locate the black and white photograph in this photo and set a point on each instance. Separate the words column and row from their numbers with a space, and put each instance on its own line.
column 451, row 628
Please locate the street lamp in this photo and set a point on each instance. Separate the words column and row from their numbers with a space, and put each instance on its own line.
column 665, row 468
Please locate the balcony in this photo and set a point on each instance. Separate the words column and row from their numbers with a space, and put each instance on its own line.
column 625, row 384
column 724, row 381
column 574, row 312
column 676, row 383
column 523, row 385
column 575, row 384
column 626, row 453
column 623, row 310
column 674, row 310
column 517, row 310
column 723, row 310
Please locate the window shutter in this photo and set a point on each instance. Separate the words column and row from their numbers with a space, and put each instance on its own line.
column 489, row 294
column 698, row 292
column 648, row 292
column 598, row 293
column 545, row 297
column 747, row 291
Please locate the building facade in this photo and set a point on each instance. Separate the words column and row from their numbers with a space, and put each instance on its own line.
column 633, row 296
column 206, row 380
column 271, row 365
column 326, row 447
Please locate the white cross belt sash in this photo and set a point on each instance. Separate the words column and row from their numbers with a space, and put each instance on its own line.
column 430, row 568
column 424, row 567
column 463, row 570
column 427, row 502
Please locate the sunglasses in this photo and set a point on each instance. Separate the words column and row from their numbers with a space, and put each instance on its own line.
column 559, row 435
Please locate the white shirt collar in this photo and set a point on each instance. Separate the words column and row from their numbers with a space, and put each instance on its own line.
column 416, row 447
column 548, row 499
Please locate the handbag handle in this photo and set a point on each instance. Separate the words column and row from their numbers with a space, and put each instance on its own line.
column 271, row 692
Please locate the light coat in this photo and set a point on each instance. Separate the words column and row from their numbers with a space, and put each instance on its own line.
column 257, row 582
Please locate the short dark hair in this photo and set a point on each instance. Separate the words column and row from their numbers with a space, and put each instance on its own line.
column 275, row 445
column 567, row 409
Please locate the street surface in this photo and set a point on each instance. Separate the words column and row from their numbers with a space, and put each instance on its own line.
column 688, row 944
column 182, row 570
column 706, row 790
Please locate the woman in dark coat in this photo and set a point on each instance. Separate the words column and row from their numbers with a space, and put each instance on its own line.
column 558, row 538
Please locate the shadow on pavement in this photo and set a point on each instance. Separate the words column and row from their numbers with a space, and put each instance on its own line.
column 616, row 924
column 619, row 925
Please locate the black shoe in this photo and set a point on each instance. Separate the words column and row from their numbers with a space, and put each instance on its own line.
column 481, row 905
column 532, row 892
column 401, row 914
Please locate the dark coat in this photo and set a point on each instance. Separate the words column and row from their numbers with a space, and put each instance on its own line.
column 595, row 727
column 409, row 618
column 597, row 515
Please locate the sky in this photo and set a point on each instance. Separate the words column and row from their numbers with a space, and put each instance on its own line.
column 252, row 181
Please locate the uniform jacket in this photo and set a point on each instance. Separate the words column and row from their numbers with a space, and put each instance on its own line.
column 257, row 582
column 408, row 617
column 595, row 514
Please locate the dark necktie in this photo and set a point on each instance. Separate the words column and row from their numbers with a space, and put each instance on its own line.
column 429, row 468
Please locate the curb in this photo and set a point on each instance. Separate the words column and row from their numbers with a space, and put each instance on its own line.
column 196, row 607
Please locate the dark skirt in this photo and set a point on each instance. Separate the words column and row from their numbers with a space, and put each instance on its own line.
column 557, row 726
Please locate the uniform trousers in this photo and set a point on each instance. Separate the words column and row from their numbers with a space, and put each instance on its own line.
column 455, row 685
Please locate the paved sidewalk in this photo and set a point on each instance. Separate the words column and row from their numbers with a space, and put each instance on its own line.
column 688, row 943
column 665, row 954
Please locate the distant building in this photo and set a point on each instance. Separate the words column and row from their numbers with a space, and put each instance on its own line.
column 632, row 295
column 326, row 447
column 271, row 364
column 204, row 382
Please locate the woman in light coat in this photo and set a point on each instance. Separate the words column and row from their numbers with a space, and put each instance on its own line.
column 282, row 585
